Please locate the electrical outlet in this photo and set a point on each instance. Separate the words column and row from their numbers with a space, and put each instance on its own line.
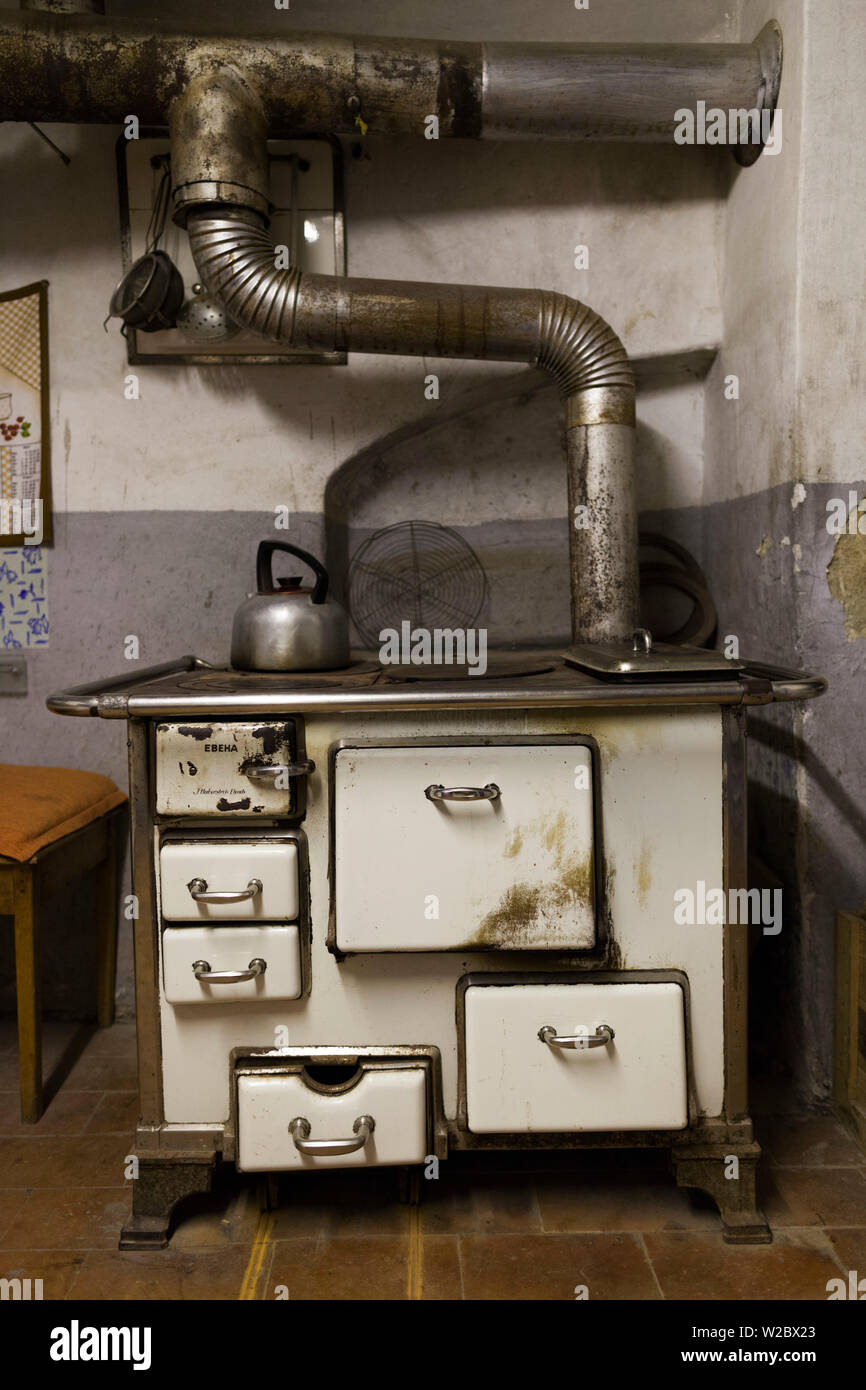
column 13, row 675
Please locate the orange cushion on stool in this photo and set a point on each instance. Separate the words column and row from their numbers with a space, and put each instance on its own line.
column 39, row 805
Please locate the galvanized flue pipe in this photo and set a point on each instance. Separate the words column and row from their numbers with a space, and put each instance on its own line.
column 218, row 130
column 223, row 94
column 77, row 67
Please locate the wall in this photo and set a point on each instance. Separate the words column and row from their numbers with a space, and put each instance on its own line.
column 793, row 306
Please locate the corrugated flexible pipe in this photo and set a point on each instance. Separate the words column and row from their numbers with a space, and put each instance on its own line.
column 235, row 257
column 219, row 163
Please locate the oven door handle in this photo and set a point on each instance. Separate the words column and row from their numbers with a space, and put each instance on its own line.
column 300, row 769
column 436, row 792
column 203, row 972
column 199, row 892
column 603, row 1035
column 330, row 1148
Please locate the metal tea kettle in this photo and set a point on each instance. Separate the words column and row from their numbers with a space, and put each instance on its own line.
column 285, row 627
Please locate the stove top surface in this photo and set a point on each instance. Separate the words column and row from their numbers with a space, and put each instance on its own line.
column 513, row 679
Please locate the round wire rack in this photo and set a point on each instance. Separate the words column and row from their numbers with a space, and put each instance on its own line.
column 417, row 572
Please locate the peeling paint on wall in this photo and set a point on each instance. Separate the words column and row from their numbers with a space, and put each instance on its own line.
column 846, row 578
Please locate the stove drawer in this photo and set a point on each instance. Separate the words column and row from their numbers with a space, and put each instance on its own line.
column 393, row 1096
column 228, row 769
column 195, row 958
column 257, row 878
column 518, row 1083
column 514, row 868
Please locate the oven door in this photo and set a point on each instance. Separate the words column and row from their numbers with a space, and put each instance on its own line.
column 464, row 848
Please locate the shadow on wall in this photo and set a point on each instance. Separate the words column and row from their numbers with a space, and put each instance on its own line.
column 500, row 442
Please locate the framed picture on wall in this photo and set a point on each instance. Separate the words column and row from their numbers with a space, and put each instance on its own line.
column 25, row 456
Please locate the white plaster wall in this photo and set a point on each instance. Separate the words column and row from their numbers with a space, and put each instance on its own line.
column 793, row 272
column 228, row 438
column 750, row 442
column 832, row 307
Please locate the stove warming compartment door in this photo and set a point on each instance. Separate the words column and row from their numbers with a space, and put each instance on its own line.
column 419, row 866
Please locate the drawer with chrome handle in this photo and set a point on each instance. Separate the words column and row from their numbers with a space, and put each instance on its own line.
column 603, row 1035
column 230, row 770
column 229, row 964
column 614, row 1058
column 451, row 847
column 300, row 1130
column 296, row 1120
column 207, row 880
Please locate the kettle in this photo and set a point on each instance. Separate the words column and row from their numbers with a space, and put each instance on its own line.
column 285, row 627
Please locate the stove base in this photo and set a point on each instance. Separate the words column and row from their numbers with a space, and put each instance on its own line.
column 162, row 1182
column 727, row 1173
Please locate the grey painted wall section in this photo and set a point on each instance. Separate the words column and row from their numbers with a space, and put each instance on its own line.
column 766, row 561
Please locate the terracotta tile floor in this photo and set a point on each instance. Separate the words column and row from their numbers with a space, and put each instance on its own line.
column 493, row 1226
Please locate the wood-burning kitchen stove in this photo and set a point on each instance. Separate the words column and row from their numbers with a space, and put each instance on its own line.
column 382, row 919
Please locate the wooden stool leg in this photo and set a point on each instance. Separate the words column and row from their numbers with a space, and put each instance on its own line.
column 29, row 982
column 106, row 927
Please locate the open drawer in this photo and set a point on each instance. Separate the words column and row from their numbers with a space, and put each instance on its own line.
column 291, row 1115
column 453, row 847
column 230, row 964
column 564, row 1057
column 226, row 880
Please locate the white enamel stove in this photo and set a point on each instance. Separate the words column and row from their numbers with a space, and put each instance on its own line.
column 381, row 921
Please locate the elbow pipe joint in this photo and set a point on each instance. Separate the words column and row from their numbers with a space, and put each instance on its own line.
column 221, row 198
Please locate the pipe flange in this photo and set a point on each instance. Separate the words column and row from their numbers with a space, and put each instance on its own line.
column 192, row 195
column 769, row 46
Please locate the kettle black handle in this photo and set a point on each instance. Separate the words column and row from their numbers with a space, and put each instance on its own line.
column 265, row 569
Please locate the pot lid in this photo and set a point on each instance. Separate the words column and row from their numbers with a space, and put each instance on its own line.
column 640, row 657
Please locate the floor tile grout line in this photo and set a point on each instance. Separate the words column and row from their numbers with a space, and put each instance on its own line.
column 415, row 1254
column 460, row 1272
column 267, row 1270
column 639, row 1237
column 537, row 1204
column 67, row 1297
column 829, row 1247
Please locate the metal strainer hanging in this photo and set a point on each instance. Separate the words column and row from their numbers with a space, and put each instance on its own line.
column 151, row 292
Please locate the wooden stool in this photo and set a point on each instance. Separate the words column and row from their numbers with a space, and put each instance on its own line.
column 55, row 822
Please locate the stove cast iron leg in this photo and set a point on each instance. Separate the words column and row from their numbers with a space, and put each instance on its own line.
column 727, row 1172
column 163, row 1181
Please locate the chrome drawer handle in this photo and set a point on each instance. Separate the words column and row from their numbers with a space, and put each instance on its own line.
column 198, row 890
column 300, row 1132
column 261, row 774
column 203, row 972
column 603, row 1035
column 437, row 792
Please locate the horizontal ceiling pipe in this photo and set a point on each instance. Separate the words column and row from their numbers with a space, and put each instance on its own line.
column 76, row 67
column 221, row 196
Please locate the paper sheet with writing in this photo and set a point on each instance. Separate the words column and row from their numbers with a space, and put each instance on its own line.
column 21, row 445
